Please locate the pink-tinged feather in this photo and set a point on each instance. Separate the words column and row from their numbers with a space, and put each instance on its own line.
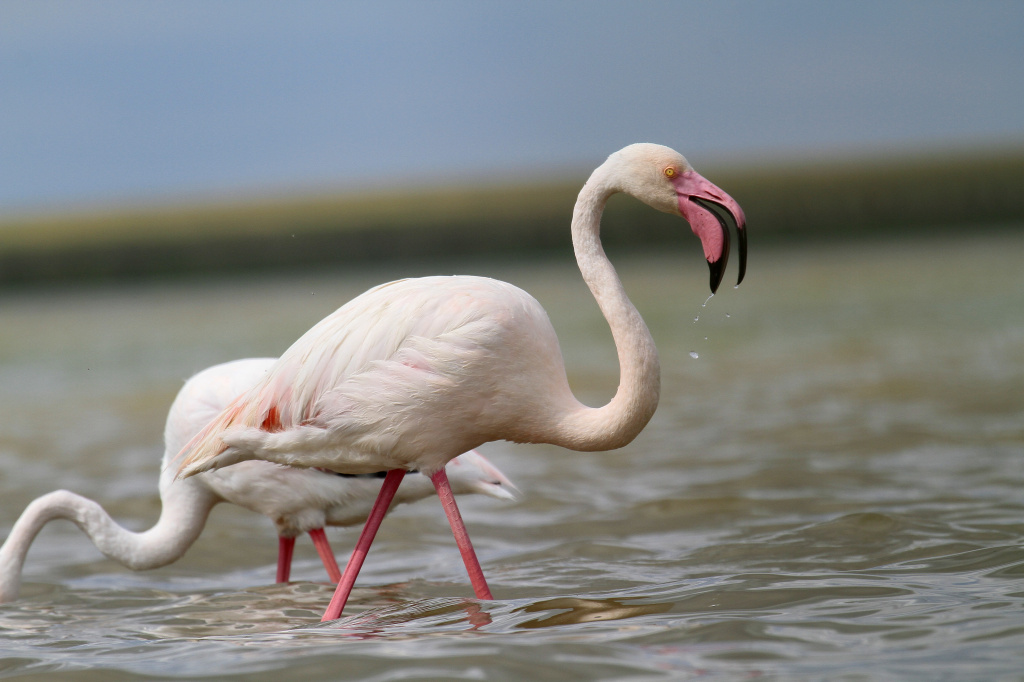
column 207, row 442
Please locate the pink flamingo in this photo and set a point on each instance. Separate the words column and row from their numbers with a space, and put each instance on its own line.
column 296, row 500
column 412, row 373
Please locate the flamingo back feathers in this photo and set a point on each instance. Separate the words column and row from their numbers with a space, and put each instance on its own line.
column 397, row 377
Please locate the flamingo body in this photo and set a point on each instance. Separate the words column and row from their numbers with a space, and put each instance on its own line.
column 411, row 373
column 381, row 382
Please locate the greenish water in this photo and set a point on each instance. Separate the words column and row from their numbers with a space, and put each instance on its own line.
column 832, row 489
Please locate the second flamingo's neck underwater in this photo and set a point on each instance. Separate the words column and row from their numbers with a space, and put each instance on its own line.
column 413, row 372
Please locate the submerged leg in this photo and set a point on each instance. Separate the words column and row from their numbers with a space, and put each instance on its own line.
column 285, row 547
column 476, row 574
column 323, row 548
column 348, row 578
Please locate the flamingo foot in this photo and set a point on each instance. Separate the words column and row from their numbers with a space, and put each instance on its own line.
column 476, row 574
column 285, row 548
column 323, row 548
column 348, row 578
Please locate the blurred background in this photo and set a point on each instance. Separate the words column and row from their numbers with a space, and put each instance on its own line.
column 139, row 139
column 832, row 483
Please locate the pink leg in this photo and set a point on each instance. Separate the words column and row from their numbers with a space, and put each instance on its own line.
column 285, row 547
column 348, row 578
column 323, row 548
column 476, row 574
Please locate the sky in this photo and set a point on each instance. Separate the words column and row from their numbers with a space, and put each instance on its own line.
column 103, row 102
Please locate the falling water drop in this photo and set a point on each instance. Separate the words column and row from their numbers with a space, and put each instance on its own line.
column 703, row 305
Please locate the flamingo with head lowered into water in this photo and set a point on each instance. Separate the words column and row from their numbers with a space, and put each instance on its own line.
column 411, row 373
column 296, row 500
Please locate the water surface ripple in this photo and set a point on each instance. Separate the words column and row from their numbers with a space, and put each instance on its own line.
column 832, row 489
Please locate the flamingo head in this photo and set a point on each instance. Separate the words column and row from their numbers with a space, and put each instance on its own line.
column 664, row 179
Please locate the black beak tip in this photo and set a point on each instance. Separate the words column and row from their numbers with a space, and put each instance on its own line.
column 717, row 272
column 741, row 233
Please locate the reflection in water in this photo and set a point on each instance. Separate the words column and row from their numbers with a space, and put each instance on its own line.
column 435, row 614
column 574, row 611
column 452, row 615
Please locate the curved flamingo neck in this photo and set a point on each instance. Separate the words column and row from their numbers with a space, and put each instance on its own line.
column 636, row 399
column 182, row 517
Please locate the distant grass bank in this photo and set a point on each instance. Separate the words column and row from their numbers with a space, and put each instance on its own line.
column 833, row 201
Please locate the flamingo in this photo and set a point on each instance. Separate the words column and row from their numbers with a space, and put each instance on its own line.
column 413, row 372
column 297, row 500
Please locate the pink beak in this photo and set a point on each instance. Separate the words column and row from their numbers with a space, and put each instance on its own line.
column 703, row 204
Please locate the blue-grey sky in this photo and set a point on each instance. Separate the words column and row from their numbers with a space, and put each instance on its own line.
column 104, row 101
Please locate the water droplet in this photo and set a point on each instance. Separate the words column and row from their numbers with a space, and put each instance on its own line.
column 693, row 354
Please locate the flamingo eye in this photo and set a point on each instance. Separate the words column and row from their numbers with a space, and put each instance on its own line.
column 671, row 172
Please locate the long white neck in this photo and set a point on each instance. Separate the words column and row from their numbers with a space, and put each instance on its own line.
column 636, row 399
column 183, row 514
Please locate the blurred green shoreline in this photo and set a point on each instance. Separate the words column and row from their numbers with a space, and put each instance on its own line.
column 784, row 203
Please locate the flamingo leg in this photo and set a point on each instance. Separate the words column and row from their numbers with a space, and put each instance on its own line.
column 285, row 547
column 476, row 574
column 323, row 548
column 348, row 578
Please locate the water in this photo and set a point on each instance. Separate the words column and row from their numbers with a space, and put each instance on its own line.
column 833, row 489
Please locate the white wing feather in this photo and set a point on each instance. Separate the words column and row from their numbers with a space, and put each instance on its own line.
column 383, row 380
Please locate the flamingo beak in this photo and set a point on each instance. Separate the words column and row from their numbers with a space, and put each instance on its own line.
column 705, row 206
column 497, row 485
